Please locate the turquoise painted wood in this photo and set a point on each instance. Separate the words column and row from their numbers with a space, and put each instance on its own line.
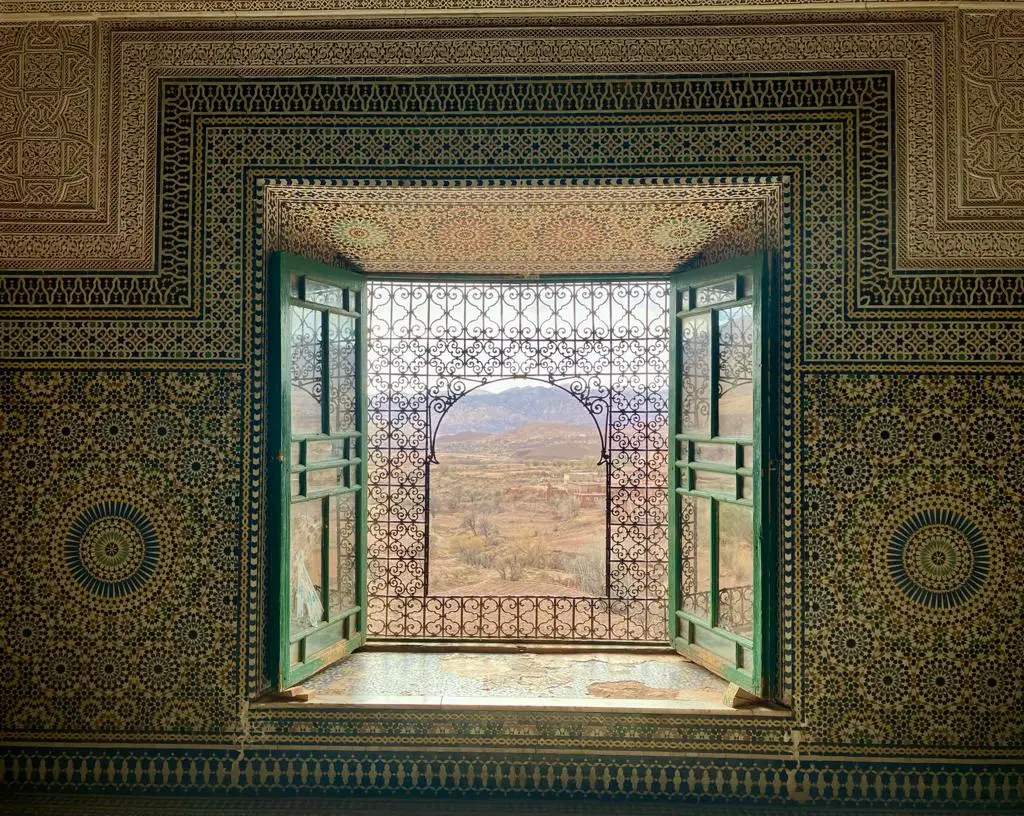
column 317, row 459
column 721, row 521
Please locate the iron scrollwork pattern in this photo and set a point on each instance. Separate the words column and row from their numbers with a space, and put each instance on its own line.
column 606, row 343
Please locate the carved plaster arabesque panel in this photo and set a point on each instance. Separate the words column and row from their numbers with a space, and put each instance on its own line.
column 991, row 141
column 51, row 164
column 918, row 46
column 682, row 112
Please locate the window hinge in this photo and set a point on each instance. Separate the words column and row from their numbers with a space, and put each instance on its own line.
column 280, row 456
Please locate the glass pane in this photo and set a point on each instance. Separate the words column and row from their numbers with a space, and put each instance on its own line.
column 713, row 293
column 747, row 284
column 735, row 568
column 307, row 368
column 342, row 553
column 735, row 372
column 748, row 488
column 296, row 451
column 695, row 554
column 322, row 450
column 342, row 333
column 306, row 535
column 695, row 397
column 325, row 479
column 716, row 454
column 329, row 294
column 715, row 482
column 748, row 456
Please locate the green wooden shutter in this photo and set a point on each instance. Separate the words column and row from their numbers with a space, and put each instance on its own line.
column 317, row 519
column 717, row 469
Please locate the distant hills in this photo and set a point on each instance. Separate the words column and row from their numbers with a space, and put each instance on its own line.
column 488, row 412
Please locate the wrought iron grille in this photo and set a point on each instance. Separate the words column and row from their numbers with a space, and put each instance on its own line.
column 606, row 343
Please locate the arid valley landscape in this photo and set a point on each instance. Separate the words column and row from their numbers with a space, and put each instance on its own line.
column 518, row 497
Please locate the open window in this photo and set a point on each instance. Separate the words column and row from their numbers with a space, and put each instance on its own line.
column 318, row 464
column 512, row 353
column 720, row 453
column 714, row 518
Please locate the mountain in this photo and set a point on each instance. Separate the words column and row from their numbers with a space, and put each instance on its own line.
column 482, row 411
column 488, row 412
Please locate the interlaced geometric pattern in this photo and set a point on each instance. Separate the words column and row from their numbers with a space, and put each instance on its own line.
column 606, row 344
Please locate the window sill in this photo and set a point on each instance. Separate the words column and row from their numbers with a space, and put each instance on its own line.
column 399, row 703
column 649, row 681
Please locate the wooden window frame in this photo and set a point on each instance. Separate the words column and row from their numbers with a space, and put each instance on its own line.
column 746, row 661
column 296, row 658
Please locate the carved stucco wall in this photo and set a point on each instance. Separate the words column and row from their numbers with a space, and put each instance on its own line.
column 79, row 113
column 135, row 159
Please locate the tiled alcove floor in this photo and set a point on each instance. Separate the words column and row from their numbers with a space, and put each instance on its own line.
column 574, row 678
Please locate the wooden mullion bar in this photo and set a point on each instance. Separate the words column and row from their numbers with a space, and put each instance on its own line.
column 718, row 440
column 713, row 599
column 737, row 454
column 325, row 556
column 712, row 467
column 327, row 437
column 706, row 494
column 312, row 305
column 715, row 307
column 320, row 494
column 327, row 464
column 347, row 613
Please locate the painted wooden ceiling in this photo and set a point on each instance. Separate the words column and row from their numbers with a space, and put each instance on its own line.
column 518, row 230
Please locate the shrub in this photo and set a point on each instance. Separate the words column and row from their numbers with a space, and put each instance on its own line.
column 589, row 574
column 521, row 555
column 473, row 550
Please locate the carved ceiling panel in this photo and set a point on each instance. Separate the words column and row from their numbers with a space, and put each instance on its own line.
column 521, row 230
